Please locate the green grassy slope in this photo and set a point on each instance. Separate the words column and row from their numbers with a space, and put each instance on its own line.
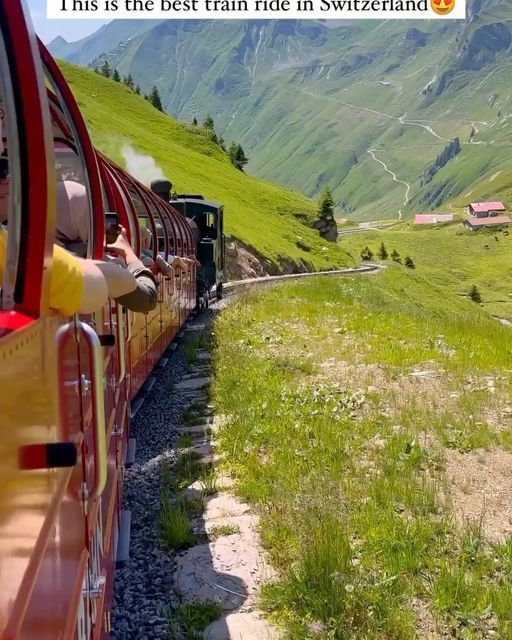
column 365, row 417
column 452, row 258
column 258, row 213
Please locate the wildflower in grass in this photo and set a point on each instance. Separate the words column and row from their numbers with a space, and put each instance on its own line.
column 317, row 628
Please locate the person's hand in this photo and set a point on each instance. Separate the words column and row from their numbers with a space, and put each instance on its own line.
column 121, row 247
column 164, row 267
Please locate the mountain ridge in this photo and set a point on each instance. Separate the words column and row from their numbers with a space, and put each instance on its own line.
column 316, row 105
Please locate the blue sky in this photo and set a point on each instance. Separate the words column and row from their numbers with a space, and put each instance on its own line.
column 47, row 30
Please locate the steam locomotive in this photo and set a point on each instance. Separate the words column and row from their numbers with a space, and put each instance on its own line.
column 206, row 219
column 68, row 383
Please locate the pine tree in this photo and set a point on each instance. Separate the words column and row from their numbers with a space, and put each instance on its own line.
column 115, row 76
column 326, row 205
column 240, row 159
column 137, row 90
column 209, row 123
column 383, row 254
column 366, row 254
column 154, row 98
column 105, row 69
column 129, row 82
column 194, row 121
column 474, row 294
column 232, row 152
column 409, row 262
column 395, row 256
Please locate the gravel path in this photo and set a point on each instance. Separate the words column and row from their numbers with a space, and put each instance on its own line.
column 144, row 593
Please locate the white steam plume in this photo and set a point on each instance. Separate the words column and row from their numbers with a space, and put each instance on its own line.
column 140, row 166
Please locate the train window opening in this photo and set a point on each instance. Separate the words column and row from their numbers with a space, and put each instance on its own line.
column 161, row 238
column 75, row 220
column 169, row 226
column 72, row 222
column 125, row 205
column 11, row 209
column 210, row 220
column 160, row 242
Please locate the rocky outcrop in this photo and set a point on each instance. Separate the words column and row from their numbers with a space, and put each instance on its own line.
column 449, row 152
column 477, row 49
column 327, row 228
column 244, row 262
column 241, row 262
column 483, row 44
column 415, row 38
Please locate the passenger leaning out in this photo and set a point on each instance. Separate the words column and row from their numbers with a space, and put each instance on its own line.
column 76, row 285
column 145, row 296
column 72, row 232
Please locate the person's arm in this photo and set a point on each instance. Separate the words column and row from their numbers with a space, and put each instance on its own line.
column 164, row 267
column 101, row 281
column 84, row 286
column 194, row 260
column 119, row 280
column 144, row 297
column 181, row 263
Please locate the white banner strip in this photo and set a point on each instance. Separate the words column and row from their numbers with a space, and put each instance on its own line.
column 258, row 9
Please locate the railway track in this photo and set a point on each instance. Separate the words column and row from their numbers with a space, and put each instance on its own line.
column 237, row 284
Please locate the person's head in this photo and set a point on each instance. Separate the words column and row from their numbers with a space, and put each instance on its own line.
column 145, row 239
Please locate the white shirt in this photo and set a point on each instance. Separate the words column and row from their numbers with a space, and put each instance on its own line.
column 72, row 223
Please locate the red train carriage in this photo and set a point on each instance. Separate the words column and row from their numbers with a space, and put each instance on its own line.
column 66, row 383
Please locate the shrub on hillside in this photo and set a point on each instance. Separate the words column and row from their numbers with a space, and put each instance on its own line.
column 326, row 206
column 409, row 262
column 383, row 253
column 366, row 254
column 474, row 294
column 395, row 256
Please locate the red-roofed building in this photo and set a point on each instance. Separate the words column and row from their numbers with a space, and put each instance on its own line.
column 486, row 209
column 433, row 218
column 473, row 223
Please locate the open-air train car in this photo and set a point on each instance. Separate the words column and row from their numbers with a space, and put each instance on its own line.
column 66, row 383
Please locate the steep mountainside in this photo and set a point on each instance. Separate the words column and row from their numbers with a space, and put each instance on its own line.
column 366, row 107
column 108, row 36
column 262, row 215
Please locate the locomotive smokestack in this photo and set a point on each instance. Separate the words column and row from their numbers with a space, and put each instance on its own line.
column 162, row 188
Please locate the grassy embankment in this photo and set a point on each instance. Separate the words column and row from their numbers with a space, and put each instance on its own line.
column 259, row 213
column 450, row 257
column 366, row 417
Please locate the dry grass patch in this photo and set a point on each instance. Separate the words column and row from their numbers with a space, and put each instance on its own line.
column 479, row 485
column 428, row 627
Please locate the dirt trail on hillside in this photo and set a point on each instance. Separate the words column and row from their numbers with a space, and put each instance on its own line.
column 393, row 175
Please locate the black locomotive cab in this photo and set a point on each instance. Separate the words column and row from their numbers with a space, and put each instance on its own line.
column 206, row 219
